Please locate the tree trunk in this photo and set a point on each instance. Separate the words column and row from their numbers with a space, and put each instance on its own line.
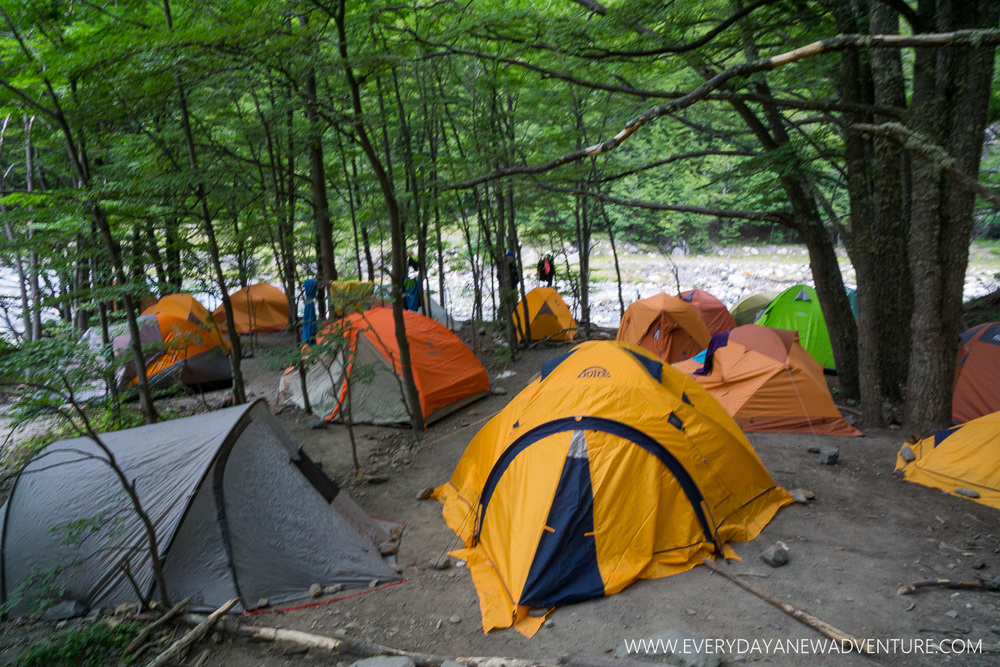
column 29, row 186
column 398, row 249
column 236, row 353
column 951, row 91
column 317, row 179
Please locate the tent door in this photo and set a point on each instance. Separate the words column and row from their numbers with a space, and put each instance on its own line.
column 564, row 569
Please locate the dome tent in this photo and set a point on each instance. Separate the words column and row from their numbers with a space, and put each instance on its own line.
column 768, row 382
column 963, row 460
column 239, row 509
column 746, row 310
column 798, row 309
column 260, row 308
column 447, row 374
column 545, row 496
column 548, row 316
column 977, row 373
column 176, row 350
column 668, row 326
column 713, row 312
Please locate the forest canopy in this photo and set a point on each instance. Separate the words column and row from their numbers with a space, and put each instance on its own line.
column 155, row 147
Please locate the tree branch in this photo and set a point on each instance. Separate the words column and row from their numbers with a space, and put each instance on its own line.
column 673, row 158
column 779, row 217
column 919, row 145
column 597, row 8
column 830, row 45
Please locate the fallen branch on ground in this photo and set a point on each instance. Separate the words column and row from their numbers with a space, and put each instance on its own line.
column 193, row 635
column 158, row 623
column 977, row 585
column 816, row 624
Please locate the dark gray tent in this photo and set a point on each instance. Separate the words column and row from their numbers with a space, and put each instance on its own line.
column 239, row 510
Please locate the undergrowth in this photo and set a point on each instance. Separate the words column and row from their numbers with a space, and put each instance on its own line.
column 94, row 645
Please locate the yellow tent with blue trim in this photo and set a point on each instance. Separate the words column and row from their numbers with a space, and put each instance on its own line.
column 610, row 467
column 963, row 460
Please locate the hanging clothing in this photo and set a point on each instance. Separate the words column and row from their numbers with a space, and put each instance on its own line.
column 309, row 312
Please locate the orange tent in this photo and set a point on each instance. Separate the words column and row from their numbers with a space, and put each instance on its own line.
column 186, row 307
column 259, row 308
column 977, row 373
column 767, row 381
column 712, row 311
column 175, row 350
column 667, row 326
column 548, row 315
column 447, row 374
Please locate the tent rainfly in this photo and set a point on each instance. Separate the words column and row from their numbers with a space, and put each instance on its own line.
column 239, row 509
column 610, row 467
column 977, row 373
column 447, row 374
column 548, row 316
column 798, row 309
column 666, row 325
column 963, row 460
column 260, row 308
column 713, row 312
column 176, row 349
column 767, row 382
column 746, row 310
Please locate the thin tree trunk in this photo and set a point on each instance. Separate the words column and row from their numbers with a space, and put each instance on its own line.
column 398, row 272
column 29, row 186
column 614, row 253
column 236, row 353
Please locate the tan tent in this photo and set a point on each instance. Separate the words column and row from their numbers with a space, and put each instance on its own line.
column 668, row 326
column 259, row 308
column 749, row 307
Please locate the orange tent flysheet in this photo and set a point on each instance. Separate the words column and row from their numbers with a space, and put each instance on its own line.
column 977, row 373
column 768, row 382
column 259, row 308
column 713, row 312
column 666, row 325
column 186, row 307
column 444, row 369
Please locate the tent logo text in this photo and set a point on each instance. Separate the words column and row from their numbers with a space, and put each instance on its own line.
column 594, row 372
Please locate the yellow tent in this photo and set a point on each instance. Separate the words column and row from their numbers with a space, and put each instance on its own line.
column 963, row 460
column 611, row 467
column 548, row 315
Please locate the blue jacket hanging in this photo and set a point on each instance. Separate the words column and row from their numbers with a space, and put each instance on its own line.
column 309, row 312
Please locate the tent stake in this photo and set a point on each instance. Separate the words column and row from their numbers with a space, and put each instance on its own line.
column 816, row 624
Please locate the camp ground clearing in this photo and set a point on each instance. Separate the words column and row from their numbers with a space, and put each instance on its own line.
column 864, row 535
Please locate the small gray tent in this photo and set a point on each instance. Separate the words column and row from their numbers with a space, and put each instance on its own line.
column 239, row 510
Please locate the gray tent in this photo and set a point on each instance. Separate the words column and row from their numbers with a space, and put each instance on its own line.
column 239, row 510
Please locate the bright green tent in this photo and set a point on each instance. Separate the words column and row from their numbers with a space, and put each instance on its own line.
column 749, row 307
column 797, row 308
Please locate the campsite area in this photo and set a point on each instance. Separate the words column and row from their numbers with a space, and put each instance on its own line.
column 504, row 333
column 864, row 535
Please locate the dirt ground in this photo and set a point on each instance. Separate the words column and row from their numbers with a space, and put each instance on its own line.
column 865, row 534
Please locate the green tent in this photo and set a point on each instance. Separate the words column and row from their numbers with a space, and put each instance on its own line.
column 797, row 308
column 852, row 297
column 749, row 307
